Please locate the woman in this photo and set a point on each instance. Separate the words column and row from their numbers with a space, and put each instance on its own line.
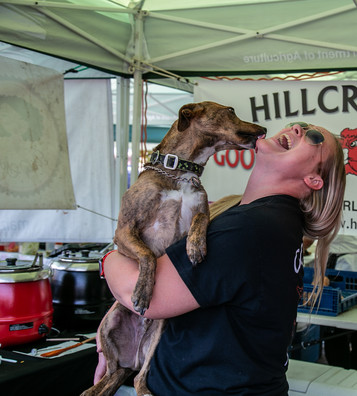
column 231, row 318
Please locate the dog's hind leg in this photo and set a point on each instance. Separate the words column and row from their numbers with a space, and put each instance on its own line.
column 140, row 379
column 109, row 384
column 120, row 335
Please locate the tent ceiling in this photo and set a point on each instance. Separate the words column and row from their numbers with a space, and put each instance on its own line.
column 69, row 69
column 187, row 38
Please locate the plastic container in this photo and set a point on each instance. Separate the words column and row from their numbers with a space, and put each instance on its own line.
column 340, row 296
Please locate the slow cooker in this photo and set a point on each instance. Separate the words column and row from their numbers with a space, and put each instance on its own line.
column 80, row 297
column 26, row 309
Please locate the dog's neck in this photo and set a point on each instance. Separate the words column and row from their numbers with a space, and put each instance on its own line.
column 173, row 162
column 195, row 145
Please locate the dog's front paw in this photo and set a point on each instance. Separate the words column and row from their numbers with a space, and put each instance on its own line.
column 196, row 238
column 144, row 287
column 139, row 304
column 196, row 249
column 141, row 297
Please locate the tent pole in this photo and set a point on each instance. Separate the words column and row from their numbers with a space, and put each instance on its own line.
column 122, row 141
column 137, row 100
column 136, row 129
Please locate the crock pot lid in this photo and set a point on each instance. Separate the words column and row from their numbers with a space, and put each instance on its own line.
column 81, row 257
column 14, row 265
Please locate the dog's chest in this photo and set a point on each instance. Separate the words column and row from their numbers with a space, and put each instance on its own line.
column 187, row 200
column 174, row 216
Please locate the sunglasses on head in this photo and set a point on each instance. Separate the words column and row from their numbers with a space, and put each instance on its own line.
column 312, row 136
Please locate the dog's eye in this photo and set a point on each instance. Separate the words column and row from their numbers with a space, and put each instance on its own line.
column 231, row 110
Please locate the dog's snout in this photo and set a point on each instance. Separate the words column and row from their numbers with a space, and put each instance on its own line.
column 260, row 132
column 263, row 134
column 257, row 133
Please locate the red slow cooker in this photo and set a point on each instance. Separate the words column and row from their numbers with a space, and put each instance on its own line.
column 25, row 301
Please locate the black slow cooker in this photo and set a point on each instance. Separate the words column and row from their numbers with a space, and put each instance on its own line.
column 80, row 297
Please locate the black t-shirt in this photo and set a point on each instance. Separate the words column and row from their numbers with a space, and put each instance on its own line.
column 248, row 288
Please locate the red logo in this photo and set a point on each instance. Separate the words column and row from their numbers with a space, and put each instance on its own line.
column 349, row 142
column 299, row 290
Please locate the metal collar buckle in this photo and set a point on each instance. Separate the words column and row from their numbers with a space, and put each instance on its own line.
column 155, row 157
column 170, row 157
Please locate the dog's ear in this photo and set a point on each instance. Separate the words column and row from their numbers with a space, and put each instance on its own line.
column 185, row 116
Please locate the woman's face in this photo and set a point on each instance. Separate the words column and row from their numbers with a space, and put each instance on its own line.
column 290, row 153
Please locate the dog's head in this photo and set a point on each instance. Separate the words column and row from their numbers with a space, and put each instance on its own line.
column 221, row 127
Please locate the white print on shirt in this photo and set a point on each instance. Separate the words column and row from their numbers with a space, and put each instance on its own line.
column 298, row 261
column 287, row 359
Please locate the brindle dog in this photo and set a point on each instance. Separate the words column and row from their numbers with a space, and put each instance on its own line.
column 166, row 203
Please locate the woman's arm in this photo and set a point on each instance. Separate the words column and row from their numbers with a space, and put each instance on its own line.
column 171, row 297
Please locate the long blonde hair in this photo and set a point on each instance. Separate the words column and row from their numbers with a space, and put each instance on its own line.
column 223, row 204
column 322, row 212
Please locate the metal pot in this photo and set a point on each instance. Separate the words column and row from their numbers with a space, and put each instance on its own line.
column 25, row 301
column 79, row 295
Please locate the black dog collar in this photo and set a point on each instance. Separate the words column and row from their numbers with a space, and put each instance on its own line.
column 172, row 162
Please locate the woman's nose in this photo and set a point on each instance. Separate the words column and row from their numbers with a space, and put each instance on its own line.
column 297, row 129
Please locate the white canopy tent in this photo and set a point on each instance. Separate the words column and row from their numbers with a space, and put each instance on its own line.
column 192, row 37
column 178, row 42
column 180, row 39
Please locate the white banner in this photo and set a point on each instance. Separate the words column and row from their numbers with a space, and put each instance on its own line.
column 91, row 153
column 273, row 104
column 33, row 143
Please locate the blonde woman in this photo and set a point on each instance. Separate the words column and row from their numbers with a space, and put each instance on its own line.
column 231, row 318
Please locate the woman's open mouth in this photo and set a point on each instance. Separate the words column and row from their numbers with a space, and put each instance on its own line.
column 285, row 141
